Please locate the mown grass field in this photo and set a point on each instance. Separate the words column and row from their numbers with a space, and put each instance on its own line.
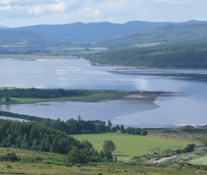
column 129, row 146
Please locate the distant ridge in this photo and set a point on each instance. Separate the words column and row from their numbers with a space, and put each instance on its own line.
column 178, row 33
column 194, row 22
column 85, row 33
column 102, row 34
column 3, row 27
column 91, row 32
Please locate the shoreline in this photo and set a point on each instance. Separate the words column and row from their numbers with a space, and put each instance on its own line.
column 75, row 57
column 143, row 67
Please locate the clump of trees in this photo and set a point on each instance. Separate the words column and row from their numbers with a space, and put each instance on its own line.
column 187, row 149
column 135, row 131
column 9, row 157
column 130, row 130
column 88, row 154
column 5, row 100
column 108, row 148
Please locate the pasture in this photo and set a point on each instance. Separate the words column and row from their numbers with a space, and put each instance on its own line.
column 129, row 146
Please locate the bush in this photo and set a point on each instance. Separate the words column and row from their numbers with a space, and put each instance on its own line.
column 9, row 157
column 189, row 148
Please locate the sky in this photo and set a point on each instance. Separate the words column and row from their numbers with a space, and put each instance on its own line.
column 14, row 13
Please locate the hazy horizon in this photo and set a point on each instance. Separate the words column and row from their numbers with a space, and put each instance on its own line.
column 93, row 22
column 16, row 13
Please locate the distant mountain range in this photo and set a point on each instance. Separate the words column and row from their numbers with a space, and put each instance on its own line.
column 91, row 32
column 2, row 27
column 104, row 34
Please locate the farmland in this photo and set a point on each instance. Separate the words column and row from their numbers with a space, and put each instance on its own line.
column 129, row 146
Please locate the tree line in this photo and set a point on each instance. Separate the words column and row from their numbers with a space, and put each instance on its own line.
column 78, row 126
column 40, row 93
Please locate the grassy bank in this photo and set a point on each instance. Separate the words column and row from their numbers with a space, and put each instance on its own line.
column 129, row 146
column 29, row 156
column 39, row 169
column 37, row 163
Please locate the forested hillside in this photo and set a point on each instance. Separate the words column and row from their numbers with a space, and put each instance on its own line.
column 22, row 38
column 187, row 33
column 180, row 56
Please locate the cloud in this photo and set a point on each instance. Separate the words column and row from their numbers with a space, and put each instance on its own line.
column 59, row 7
column 5, row 8
column 31, row 12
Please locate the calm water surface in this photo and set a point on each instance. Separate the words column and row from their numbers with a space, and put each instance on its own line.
column 190, row 108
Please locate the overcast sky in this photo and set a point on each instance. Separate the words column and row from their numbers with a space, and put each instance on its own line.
column 32, row 12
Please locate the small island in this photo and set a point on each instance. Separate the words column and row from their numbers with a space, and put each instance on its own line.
column 33, row 95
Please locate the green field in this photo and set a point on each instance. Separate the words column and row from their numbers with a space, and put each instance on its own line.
column 27, row 156
column 129, row 146
column 199, row 161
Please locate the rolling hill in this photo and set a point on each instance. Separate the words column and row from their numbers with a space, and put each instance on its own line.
column 21, row 41
column 91, row 32
column 64, row 38
column 172, row 56
column 21, row 38
column 185, row 33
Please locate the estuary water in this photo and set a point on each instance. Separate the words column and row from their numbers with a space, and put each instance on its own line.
column 188, row 108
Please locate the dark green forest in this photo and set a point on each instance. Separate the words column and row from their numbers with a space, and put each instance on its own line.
column 180, row 56
column 35, row 136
